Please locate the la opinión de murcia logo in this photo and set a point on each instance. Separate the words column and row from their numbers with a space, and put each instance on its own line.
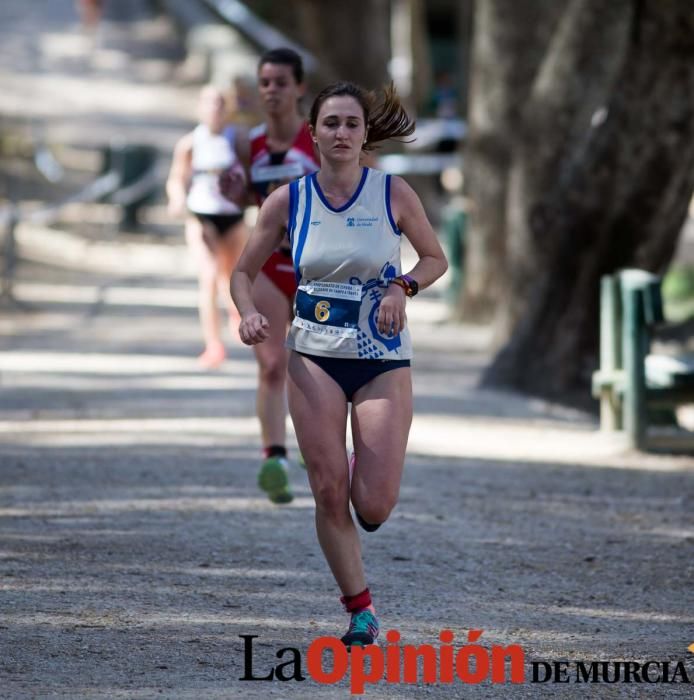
column 393, row 663
column 329, row 662
column 609, row 672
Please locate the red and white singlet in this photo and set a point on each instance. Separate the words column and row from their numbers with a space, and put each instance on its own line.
column 268, row 172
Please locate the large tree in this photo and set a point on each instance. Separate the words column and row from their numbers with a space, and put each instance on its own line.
column 509, row 39
column 351, row 40
column 354, row 41
column 581, row 161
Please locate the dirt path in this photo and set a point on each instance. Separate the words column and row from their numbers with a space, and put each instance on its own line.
column 135, row 548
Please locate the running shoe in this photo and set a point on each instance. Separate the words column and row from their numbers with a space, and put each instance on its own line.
column 273, row 479
column 363, row 629
column 369, row 527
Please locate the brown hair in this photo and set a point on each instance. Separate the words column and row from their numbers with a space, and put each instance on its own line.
column 384, row 120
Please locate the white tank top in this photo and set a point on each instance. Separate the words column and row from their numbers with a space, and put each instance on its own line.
column 344, row 259
column 212, row 155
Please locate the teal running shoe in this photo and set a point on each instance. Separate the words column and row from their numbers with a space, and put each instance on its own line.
column 363, row 629
column 274, row 480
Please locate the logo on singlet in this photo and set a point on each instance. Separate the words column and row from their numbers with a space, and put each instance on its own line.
column 361, row 221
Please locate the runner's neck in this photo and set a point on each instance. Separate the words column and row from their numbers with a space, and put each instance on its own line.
column 282, row 132
column 339, row 184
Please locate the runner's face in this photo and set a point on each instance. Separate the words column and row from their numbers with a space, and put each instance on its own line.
column 212, row 109
column 279, row 91
column 340, row 130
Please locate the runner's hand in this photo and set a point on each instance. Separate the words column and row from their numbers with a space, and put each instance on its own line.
column 391, row 313
column 232, row 185
column 254, row 328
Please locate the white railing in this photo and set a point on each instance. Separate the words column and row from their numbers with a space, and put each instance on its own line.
column 258, row 31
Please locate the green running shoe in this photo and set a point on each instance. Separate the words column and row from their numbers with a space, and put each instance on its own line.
column 363, row 629
column 273, row 479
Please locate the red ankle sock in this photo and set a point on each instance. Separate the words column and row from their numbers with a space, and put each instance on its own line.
column 355, row 603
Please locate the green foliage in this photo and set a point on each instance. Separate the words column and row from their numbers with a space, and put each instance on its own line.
column 678, row 293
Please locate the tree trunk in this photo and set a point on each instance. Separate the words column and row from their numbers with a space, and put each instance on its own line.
column 464, row 22
column 591, row 195
column 574, row 80
column 509, row 41
column 422, row 71
column 352, row 38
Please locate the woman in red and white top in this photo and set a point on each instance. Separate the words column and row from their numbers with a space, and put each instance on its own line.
column 279, row 151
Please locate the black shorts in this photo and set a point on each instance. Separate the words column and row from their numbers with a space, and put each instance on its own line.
column 352, row 375
column 223, row 223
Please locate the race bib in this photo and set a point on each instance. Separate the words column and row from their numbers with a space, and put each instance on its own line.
column 283, row 172
column 329, row 308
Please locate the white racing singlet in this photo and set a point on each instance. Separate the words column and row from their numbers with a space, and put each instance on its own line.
column 344, row 259
column 213, row 154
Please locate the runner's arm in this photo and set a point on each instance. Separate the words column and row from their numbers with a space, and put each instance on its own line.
column 179, row 175
column 268, row 234
column 242, row 148
column 412, row 220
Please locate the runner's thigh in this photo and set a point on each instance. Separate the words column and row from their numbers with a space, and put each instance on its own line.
column 381, row 419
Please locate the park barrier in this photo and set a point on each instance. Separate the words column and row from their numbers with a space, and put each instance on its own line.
column 129, row 178
column 135, row 165
column 454, row 224
column 636, row 387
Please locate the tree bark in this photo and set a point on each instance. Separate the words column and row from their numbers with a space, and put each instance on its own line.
column 509, row 41
column 422, row 71
column 575, row 78
column 350, row 39
column 591, row 196
column 353, row 38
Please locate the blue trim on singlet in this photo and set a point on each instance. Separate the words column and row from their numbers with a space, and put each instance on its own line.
column 303, row 233
column 353, row 198
column 293, row 206
column 389, row 211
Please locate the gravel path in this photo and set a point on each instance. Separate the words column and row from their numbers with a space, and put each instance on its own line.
column 136, row 549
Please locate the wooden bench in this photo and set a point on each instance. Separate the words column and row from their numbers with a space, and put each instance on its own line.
column 632, row 383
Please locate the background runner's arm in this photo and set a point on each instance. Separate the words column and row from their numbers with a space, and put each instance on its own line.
column 242, row 146
column 268, row 234
column 179, row 175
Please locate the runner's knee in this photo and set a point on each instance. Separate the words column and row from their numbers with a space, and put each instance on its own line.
column 273, row 370
column 331, row 501
column 375, row 510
